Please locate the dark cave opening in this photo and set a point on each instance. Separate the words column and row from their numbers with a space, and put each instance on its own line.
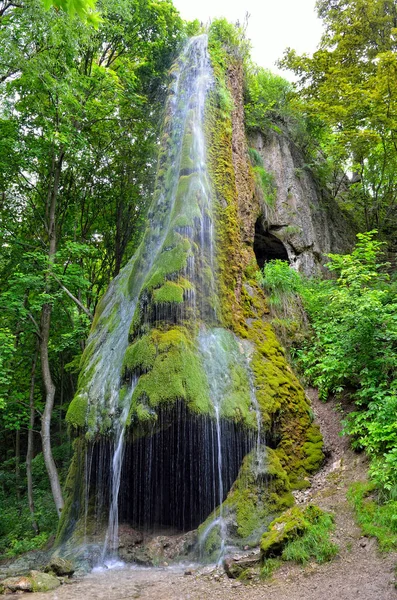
column 170, row 478
column 267, row 246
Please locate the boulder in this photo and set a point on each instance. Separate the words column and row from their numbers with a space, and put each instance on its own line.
column 290, row 525
column 17, row 584
column 43, row 582
column 36, row 581
column 60, row 566
column 236, row 565
column 159, row 549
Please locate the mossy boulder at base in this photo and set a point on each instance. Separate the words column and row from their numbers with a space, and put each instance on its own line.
column 261, row 491
column 36, row 581
column 292, row 524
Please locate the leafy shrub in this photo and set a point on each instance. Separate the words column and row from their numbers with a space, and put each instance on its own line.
column 16, row 531
column 264, row 180
column 354, row 346
column 280, row 280
column 266, row 98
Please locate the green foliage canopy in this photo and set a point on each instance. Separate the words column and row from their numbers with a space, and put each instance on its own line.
column 350, row 84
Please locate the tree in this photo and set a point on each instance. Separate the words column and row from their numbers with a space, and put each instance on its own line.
column 79, row 128
column 350, row 83
column 84, row 9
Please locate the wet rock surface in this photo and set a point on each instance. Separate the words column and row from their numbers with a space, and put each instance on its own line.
column 23, row 564
column 60, row 566
column 155, row 549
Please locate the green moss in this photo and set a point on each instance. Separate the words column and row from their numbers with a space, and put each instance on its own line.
column 77, row 411
column 261, row 490
column 187, row 201
column 282, row 530
column 176, row 373
column 315, row 543
column 140, row 356
column 170, row 261
column 73, row 493
column 285, row 411
column 300, row 534
column 188, row 155
column 210, row 537
column 143, row 413
column 283, row 403
column 171, row 291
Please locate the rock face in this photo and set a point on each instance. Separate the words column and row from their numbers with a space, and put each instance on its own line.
column 153, row 549
column 304, row 218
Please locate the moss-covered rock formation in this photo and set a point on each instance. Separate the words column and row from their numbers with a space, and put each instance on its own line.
column 190, row 325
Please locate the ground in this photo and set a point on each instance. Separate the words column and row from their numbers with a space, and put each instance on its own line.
column 360, row 572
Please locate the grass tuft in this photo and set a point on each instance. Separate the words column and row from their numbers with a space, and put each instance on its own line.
column 314, row 544
column 375, row 519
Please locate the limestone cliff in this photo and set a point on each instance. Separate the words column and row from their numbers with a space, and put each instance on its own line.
column 304, row 217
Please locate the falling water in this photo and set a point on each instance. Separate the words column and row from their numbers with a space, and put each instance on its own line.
column 108, row 341
column 102, row 373
column 224, row 358
column 182, row 209
column 111, row 539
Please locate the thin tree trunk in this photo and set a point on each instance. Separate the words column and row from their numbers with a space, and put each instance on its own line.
column 45, row 324
column 61, row 398
column 17, row 464
column 29, row 453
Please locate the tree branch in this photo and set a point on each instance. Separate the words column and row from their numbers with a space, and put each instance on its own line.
column 76, row 300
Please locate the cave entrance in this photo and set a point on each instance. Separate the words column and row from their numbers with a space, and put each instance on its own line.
column 267, row 246
column 170, row 479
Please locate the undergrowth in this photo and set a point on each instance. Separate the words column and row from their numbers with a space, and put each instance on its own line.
column 269, row 566
column 376, row 519
column 16, row 527
column 315, row 543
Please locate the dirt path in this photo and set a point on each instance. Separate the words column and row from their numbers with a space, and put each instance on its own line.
column 359, row 573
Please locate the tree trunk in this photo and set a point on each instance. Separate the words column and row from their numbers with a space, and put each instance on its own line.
column 29, row 453
column 18, row 465
column 45, row 324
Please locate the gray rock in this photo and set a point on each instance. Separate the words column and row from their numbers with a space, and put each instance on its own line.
column 36, row 581
column 238, row 563
column 43, row 582
column 305, row 217
column 17, row 584
column 23, row 564
column 60, row 566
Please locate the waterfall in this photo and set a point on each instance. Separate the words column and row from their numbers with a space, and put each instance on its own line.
column 161, row 379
